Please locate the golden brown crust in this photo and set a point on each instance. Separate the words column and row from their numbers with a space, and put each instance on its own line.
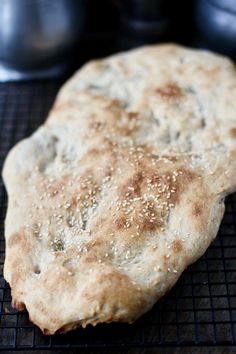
column 169, row 91
column 232, row 132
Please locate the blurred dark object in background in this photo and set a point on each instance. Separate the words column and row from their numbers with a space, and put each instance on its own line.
column 145, row 21
column 37, row 36
column 216, row 23
column 153, row 21
column 48, row 38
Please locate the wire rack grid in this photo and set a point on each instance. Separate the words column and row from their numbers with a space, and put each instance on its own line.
column 199, row 311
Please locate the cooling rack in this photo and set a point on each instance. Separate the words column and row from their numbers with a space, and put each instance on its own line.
column 199, row 311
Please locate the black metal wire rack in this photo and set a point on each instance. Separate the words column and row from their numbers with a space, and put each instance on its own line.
column 199, row 311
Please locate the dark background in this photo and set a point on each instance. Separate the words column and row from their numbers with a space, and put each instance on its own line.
column 115, row 25
column 105, row 22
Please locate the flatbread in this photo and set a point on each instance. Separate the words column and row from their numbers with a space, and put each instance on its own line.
column 122, row 188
